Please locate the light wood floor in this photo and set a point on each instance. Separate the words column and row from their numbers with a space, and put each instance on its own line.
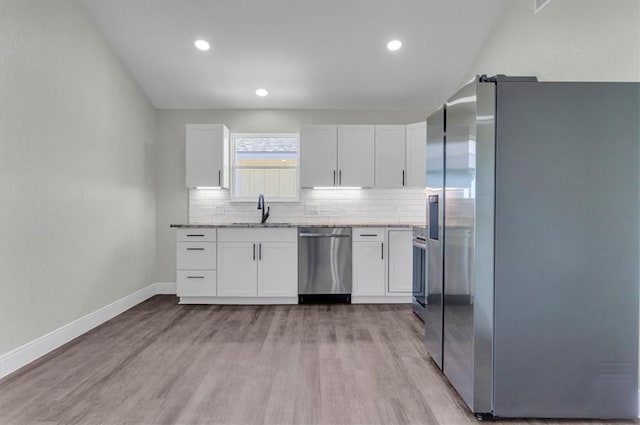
column 164, row 363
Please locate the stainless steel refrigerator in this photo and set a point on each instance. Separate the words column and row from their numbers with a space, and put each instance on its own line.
column 533, row 247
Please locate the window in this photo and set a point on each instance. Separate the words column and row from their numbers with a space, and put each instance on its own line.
column 264, row 163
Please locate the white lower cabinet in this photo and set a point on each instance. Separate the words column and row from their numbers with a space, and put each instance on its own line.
column 382, row 265
column 237, row 274
column 400, row 258
column 258, row 263
column 196, row 283
column 277, row 269
column 196, row 253
column 368, row 261
column 368, row 268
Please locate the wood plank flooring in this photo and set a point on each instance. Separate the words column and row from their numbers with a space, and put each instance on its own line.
column 164, row 363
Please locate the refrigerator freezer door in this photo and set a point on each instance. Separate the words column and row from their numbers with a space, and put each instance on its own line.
column 468, row 237
column 460, row 167
column 435, row 185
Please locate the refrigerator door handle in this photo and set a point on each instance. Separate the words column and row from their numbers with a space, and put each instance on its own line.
column 434, row 217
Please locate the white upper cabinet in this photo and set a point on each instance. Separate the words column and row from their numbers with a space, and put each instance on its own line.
column 356, row 147
column 318, row 155
column 341, row 155
column 416, row 154
column 207, row 155
column 390, row 155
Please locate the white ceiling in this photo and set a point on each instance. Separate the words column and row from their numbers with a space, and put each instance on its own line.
column 309, row 54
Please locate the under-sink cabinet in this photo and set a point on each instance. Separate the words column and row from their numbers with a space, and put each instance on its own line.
column 258, row 263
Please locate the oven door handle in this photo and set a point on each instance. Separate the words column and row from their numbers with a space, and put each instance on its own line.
column 419, row 244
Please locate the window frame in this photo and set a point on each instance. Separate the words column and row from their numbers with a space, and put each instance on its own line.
column 232, row 168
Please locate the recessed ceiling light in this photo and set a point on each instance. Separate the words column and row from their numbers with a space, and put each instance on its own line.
column 202, row 45
column 394, row 45
column 262, row 92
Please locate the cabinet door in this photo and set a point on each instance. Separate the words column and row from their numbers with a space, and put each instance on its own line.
column 368, row 268
column 390, row 155
column 417, row 154
column 400, row 260
column 356, row 149
column 237, row 269
column 318, row 155
column 207, row 155
column 277, row 269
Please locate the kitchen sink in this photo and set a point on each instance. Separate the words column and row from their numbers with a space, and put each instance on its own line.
column 261, row 224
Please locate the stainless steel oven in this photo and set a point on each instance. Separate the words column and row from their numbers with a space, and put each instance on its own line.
column 419, row 242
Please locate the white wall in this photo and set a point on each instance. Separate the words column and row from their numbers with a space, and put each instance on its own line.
column 568, row 40
column 172, row 196
column 77, row 216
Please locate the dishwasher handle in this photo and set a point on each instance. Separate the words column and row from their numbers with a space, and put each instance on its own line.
column 323, row 235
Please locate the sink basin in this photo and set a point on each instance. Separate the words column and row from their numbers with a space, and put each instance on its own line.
column 274, row 224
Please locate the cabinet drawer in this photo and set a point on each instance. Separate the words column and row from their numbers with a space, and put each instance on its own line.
column 196, row 283
column 196, row 235
column 368, row 234
column 196, row 255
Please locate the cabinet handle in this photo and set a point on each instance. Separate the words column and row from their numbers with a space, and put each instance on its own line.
column 193, row 236
column 382, row 250
column 254, row 252
column 195, row 277
column 195, row 249
column 340, row 173
column 368, row 234
column 334, row 177
column 403, row 177
column 260, row 251
column 219, row 178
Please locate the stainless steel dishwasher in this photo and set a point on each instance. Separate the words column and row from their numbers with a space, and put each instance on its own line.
column 324, row 264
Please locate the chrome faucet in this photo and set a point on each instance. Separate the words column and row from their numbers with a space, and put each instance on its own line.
column 265, row 215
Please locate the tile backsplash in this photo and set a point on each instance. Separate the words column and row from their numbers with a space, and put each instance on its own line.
column 390, row 206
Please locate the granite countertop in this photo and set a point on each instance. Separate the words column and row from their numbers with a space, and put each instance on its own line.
column 285, row 225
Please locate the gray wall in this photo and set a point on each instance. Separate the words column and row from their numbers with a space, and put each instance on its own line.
column 171, row 194
column 77, row 216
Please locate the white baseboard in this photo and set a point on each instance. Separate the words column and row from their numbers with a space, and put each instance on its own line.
column 165, row 288
column 21, row 356
column 239, row 300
